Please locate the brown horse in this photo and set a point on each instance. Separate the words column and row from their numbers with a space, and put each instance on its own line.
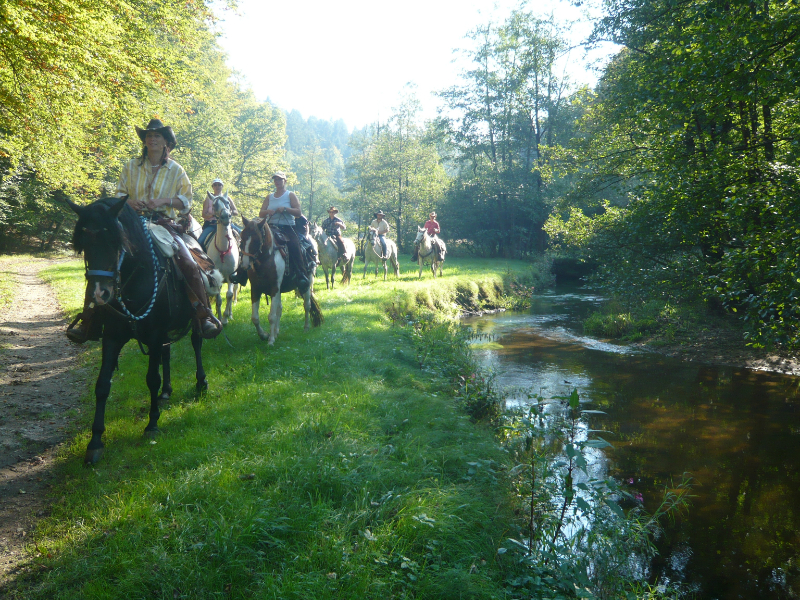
column 266, row 270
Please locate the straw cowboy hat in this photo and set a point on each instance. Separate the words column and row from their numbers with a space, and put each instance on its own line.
column 433, row 214
column 333, row 209
column 157, row 126
column 380, row 212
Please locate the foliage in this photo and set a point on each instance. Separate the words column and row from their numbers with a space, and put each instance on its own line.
column 688, row 158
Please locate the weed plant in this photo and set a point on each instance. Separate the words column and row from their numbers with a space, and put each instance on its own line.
column 576, row 533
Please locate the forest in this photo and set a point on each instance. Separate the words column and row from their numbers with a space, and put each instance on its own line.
column 676, row 176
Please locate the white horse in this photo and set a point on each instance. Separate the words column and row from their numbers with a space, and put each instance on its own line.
column 224, row 252
column 373, row 253
column 266, row 270
column 328, row 253
column 427, row 253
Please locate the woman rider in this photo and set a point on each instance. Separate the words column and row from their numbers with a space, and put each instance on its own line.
column 281, row 208
column 209, row 219
column 158, row 186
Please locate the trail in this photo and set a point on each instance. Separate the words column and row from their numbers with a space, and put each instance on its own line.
column 40, row 389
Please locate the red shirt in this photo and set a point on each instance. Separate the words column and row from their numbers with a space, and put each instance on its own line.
column 432, row 227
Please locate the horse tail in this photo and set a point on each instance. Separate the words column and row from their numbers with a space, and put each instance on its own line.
column 348, row 271
column 316, row 312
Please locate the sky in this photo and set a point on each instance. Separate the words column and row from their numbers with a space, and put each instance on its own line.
column 353, row 59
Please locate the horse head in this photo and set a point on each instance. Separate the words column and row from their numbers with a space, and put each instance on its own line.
column 100, row 237
column 421, row 234
column 317, row 233
column 372, row 234
column 221, row 210
column 256, row 242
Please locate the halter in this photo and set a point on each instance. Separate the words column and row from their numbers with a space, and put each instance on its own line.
column 115, row 275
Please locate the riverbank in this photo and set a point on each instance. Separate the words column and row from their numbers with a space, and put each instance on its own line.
column 334, row 464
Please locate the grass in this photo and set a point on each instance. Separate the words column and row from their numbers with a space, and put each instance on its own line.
column 329, row 465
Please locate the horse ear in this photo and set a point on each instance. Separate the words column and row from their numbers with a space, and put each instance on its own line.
column 76, row 208
column 117, row 207
column 245, row 221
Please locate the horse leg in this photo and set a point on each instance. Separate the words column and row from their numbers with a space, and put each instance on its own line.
column 166, row 384
column 154, row 384
column 255, row 301
column 420, row 268
column 366, row 264
column 111, row 350
column 218, row 302
column 200, row 372
column 228, row 315
column 385, row 269
column 275, row 312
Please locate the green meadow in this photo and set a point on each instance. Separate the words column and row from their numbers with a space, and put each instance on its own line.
column 335, row 464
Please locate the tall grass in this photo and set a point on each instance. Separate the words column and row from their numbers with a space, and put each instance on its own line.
column 333, row 464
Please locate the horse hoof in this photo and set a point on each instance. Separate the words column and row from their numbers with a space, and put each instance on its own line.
column 201, row 386
column 263, row 337
column 92, row 457
column 150, row 434
column 164, row 397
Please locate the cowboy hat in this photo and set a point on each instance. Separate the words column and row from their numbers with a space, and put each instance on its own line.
column 157, row 126
column 333, row 209
column 433, row 214
column 380, row 212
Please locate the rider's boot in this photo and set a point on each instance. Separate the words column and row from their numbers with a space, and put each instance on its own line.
column 82, row 329
column 296, row 257
column 415, row 254
column 208, row 324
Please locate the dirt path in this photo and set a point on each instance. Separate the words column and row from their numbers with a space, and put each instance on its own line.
column 40, row 388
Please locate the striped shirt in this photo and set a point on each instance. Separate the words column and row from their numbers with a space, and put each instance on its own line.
column 171, row 181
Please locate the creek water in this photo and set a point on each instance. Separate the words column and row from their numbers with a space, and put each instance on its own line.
column 735, row 431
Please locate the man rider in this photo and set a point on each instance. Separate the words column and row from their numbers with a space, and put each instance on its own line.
column 333, row 227
column 382, row 228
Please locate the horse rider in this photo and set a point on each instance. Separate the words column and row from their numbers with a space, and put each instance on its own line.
column 158, row 187
column 209, row 220
column 333, row 227
column 382, row 227
column 281, row 208
column 433, row 229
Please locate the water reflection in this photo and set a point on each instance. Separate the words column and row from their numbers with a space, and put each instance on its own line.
column 734, row 430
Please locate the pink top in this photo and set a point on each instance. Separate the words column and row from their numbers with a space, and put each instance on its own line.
column 432, row 227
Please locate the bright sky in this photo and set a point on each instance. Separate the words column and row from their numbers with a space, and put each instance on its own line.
column 351, row 59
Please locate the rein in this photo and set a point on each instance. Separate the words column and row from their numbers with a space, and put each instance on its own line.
column 222, row 254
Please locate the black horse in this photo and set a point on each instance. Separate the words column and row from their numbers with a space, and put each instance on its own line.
column 136, row 297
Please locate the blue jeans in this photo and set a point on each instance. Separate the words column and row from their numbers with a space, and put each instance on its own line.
column 383, row 243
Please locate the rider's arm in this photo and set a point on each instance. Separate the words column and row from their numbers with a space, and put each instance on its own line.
column 208, row 208
column 341, row 224
column 234, row 210
column 294, row 204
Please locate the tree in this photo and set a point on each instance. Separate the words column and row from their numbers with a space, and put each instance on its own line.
column 396, row 168
column 505, row 122
column 695, row 122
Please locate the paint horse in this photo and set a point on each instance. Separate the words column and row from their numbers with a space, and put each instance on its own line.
column 373, row 253
column 222, row 249
column 134, row 298
column 427, row 253
column 329, row 253
column 266, row 270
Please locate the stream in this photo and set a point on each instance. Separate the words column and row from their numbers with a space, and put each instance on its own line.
column 733, row 430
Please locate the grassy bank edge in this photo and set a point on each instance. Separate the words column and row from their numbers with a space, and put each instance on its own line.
column 462, row 503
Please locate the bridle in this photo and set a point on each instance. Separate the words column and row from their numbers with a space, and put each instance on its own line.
column 261, row 244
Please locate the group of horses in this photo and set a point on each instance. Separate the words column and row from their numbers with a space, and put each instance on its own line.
column 138, row 295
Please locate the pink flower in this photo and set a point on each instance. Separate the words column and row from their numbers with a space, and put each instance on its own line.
column 638, row 497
